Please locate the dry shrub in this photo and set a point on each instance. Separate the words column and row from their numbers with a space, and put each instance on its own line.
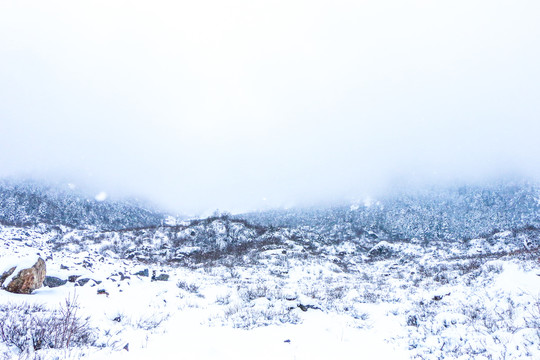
column 24, row 326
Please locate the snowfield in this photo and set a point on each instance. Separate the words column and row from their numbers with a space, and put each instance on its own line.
column 279, row 299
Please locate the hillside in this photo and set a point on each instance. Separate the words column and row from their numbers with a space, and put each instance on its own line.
column 324, row 285
column 28, row 202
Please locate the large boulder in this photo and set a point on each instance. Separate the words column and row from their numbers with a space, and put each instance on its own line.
column 24, row 277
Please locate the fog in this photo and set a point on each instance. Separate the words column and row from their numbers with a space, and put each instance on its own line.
column 242, row 105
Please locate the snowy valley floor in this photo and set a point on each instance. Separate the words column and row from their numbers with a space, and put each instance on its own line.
column 425, row 302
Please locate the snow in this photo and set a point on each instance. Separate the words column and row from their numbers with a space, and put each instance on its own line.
column 252, row 310
column 515, row 279
column 102, row 196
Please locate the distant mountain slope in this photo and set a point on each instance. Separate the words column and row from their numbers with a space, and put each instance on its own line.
column 440, row 213
column 31, row 202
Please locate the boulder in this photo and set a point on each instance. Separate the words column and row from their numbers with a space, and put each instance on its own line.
column 22, row 278
column 52, row 281
column 6, row 274
column 142, row 273
column 84, row 281
column 73, row 278
column 160, row 277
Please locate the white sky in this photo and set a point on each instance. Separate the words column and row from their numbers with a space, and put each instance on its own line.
column 200, row 105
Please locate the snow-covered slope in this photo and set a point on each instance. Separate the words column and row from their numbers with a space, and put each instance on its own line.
column 31, row 202
column 238, row 291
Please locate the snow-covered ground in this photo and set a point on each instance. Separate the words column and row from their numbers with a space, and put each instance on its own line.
column 400, row 300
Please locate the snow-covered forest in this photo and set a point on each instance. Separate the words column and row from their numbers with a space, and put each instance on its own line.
column 446, row 273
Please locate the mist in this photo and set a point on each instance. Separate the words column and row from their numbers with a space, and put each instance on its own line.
column 244, row 105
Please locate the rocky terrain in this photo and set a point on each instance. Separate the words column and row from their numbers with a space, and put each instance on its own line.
column 235, row 287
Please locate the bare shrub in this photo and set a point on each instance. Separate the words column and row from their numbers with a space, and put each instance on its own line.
column 189, row 287
column 151, row 322
column 223, row 299
column 369, row 295
column 481, row 318
column 24, row 326
column 242, row 317
column 469, row 266
column 494, row 268
column 533, row 318
column 253, row 292
column 336, row 293
column 442, row 278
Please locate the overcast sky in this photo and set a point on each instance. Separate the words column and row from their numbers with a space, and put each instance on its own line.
column 239, row 105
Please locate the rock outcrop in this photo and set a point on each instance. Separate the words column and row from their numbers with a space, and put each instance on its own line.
column 23, row 279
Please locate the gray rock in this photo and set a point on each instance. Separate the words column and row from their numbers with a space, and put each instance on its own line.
column 160, row 277
column 73, row 278
column 51, row 281
column 142, row 273
column 84, row 281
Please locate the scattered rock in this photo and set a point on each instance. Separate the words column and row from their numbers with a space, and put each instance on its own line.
column 73, row 278
column 24, row 280
column 439, row 297
column 52, row 281
column 64, row 267
column 120, row 274
column 160, row 277
column 306, row 307
column 142, row 273
column 123, row 277
column 84, row 281
column 102, row 292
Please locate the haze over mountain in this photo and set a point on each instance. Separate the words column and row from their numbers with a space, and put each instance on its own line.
column 242, row 105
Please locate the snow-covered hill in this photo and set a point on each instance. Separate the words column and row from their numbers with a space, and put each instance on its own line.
column 30, row 202
column 331, row 287
column 269, row 293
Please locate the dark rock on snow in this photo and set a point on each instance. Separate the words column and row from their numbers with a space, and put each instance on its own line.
column 52, row 281
column 84, row 281
column 142, row 273
column 26, row 280
column 73, row 278
column 160, row 277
